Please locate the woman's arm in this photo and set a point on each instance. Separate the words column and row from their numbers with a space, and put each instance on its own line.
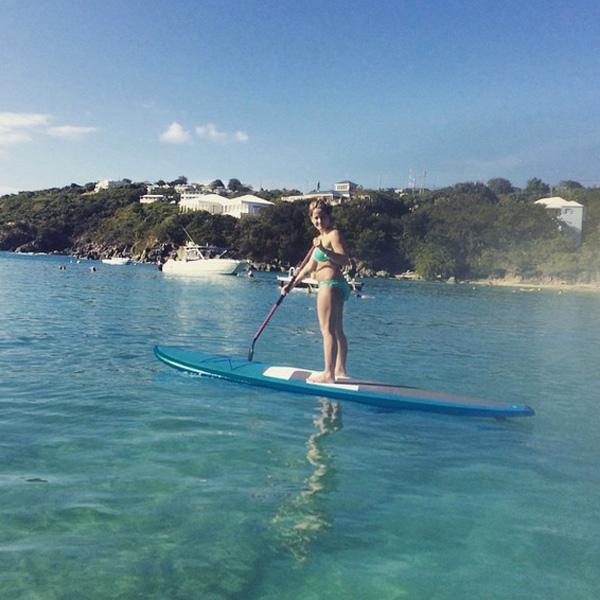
column 309, row 267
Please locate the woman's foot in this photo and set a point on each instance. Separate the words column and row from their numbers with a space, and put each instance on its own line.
column 341, row 376
column 323, row 377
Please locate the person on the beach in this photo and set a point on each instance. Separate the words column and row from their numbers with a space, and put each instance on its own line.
column 328, row 258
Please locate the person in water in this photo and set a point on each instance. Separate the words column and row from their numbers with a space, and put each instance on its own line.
column 328, row 258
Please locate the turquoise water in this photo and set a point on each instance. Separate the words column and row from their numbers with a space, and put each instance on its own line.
column 122, row 478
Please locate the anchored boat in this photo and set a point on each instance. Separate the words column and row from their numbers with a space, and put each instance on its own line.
column 195, row 260
column 312, row 284
column 116, row 260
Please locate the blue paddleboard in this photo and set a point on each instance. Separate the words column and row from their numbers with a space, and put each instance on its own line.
column 292, row 379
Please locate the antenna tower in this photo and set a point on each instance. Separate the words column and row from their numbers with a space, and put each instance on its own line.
column 412, row 181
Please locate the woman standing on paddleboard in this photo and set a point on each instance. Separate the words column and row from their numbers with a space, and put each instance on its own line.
column 328, row 258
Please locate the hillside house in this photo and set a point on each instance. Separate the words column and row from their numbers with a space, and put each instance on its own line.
column 221, row 205
column 567, row 211
column 108, row 184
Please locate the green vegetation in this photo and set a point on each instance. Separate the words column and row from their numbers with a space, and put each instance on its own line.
column 469, row 230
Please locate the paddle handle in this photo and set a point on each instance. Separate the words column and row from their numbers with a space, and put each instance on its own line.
column 276, row 305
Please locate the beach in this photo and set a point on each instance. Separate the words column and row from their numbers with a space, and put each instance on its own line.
column 559, row 286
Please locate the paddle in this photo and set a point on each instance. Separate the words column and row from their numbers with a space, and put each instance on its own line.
column 276, row 305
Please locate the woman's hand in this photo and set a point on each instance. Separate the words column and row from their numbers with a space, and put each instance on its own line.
column 318, row 243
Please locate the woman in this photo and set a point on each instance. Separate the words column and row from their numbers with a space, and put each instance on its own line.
column 327, row 260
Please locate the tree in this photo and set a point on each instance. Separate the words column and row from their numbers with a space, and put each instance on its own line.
column 460, row 194
column 181, row 180
column 234, row 185
column 435, row 262
column 536, row 187
column 217, row 183
column 569, row 184
column 499, row 186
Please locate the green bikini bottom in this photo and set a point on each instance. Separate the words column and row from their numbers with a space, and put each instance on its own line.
column 342, row 284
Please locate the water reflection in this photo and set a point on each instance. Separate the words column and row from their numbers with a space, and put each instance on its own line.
column 300, row 519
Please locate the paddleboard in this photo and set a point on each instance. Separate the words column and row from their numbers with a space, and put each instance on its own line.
column 292, row 379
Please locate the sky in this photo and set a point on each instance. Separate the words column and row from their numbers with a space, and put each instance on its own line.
column 288, row 93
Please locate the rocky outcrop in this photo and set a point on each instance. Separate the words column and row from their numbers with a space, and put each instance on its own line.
column 86, row 248
column 159, row 253
column 14, row 239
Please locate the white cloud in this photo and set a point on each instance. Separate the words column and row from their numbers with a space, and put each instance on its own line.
column 70, row 131
column 8, row 137
column 210, row 132
column 241, row 136
column 15, row 128
column 20, row 128
column 175, row 134
column 10, row 120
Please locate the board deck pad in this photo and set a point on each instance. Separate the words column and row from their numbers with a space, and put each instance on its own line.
column 293, row 379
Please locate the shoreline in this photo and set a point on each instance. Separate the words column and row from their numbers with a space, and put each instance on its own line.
column 560, row 286
column 527, row 285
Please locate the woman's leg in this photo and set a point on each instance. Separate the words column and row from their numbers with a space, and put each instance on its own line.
column 325, row 301
column 342, row 343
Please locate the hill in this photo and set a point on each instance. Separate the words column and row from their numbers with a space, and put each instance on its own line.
column 466, row 231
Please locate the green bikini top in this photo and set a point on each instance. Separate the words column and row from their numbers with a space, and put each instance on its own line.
column 320, row 256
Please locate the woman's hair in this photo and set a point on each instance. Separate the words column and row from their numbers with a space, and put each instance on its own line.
column 319, row 203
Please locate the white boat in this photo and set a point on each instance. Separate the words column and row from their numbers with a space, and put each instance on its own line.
column 310, row 284
column 194, row 260
column 116, row 260
column 307, row 283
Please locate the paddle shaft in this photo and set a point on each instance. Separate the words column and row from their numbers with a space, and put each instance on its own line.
column 276, row 305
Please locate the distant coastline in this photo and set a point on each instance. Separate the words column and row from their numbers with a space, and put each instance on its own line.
column 466, row 232
column 532, row 285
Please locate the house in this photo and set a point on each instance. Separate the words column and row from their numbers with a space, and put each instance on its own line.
column 151, row 198
column 567, row 211
column 191, row 201
column 108, row 184
column 244, row 205
column 346, row 188
column 343, row 191
column 221, row 205
column 181, row 188
column 332, row 197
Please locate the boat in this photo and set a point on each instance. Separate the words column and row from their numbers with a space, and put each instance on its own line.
column 116, row 260
column 311, row 284
column 195, row 260
column 293, row 379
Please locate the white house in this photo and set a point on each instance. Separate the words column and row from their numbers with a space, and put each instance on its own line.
column 182, row 188
column 244, row 205
column 107, row 184
column 567, row 211
column 333, row 198
column 346, row 188
column 212, row 203
column 221, row 205
column 151, row 198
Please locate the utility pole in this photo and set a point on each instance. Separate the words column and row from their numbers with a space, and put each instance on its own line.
column 424, row 178
column 412, row 182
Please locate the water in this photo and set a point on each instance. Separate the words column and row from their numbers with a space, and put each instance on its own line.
column 122, row 478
